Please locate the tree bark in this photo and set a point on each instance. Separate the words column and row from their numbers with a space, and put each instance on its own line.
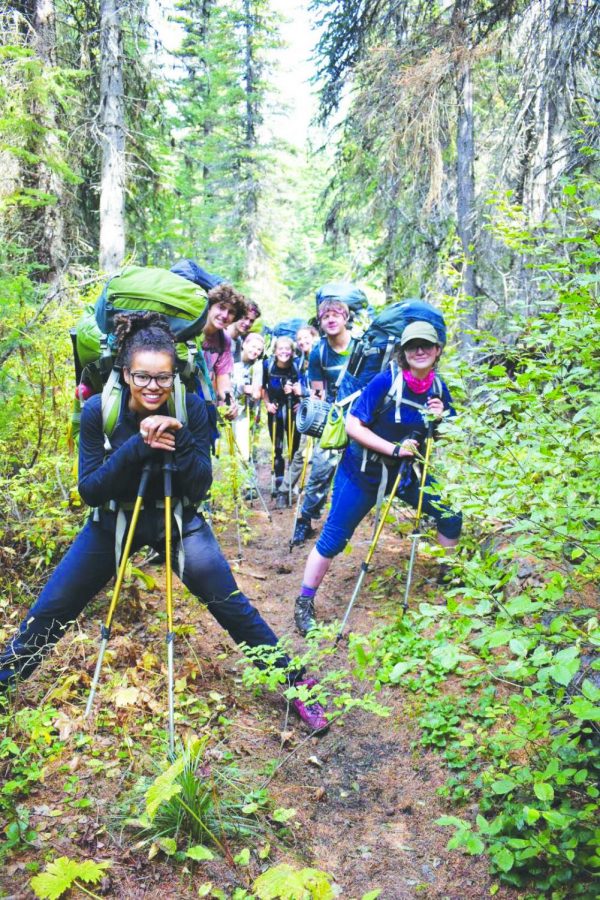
column 112, row 139
column 541, row 169
column 252, row 117
column 53, row 239
column 465, row 179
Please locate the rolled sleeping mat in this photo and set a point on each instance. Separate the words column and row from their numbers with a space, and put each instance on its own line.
column 311, row 416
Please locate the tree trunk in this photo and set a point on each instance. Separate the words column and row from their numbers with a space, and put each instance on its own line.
column 112, row 139
column 541, row 175
column 53, row 241
column 391, row 242
column 252, row 117
column 465, row 195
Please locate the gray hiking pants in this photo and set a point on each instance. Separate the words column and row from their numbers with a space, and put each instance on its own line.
column 324, row 464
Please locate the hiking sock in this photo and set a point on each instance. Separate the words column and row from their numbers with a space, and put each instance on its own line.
column 306, row 591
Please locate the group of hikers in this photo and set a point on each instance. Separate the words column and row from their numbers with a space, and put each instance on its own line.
column 254, row 375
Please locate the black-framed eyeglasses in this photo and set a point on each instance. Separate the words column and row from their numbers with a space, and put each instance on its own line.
column 413, row 346
column 143, row 379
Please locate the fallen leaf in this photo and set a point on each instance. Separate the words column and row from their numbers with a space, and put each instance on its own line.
column 64, row 726
column 74, row 763
column 286, row 736
column 315, row 761
column 126, row 696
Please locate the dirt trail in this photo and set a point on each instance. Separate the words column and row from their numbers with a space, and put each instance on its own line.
column 365, row 798
column 368, row 811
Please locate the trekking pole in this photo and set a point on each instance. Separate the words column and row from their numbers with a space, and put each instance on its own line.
column 290, row 435
column 252, row 474
column 364, row 568
column 234, row 479
column 415, row 532
column 168, row 482
column 307, row 457
column 273, row 438
column 105, row 629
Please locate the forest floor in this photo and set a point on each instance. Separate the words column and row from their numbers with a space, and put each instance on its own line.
column 365, row 793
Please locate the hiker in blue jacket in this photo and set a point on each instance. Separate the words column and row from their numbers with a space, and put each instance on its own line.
column 383, row 430
column 108, row 482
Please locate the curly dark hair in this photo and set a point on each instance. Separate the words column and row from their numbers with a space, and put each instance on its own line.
column 225, row 293
column 142, row 331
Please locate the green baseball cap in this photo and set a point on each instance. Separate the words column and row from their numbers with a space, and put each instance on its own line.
column 423, row 330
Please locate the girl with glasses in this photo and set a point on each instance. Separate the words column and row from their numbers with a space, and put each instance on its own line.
column 108, row 482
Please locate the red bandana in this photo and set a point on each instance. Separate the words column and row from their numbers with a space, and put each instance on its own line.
column 418, row 385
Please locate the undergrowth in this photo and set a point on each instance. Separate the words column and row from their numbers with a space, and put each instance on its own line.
column 504, row 679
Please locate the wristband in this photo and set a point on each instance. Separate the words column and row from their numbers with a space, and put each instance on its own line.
column 396, row 451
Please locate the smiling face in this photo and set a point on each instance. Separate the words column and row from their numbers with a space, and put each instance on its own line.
column 306, row 340
column 253, row 347
column 421, row 356
column 284, row 350
column 219, row 316
column 245, row 324
column 155, row 366
column 333, row 321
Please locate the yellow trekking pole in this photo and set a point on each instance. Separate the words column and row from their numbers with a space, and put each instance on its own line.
column 168, row 475
column 105, row 630
column 415, row 532
column 273, row 438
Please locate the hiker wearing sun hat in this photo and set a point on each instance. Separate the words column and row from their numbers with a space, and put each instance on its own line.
column 385, row 425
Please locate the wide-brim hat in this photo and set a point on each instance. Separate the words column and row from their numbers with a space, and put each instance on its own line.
column 423, row 330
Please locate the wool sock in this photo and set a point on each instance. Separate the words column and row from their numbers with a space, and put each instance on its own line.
column 306, row 591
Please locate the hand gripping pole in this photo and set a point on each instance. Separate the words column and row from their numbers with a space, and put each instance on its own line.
column 105, row 630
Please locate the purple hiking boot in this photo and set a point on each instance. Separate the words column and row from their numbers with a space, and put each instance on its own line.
column 311, row 712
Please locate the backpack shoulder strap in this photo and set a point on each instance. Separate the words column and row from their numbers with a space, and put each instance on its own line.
column 176, row 403
column 112, row 393
column 393, row 396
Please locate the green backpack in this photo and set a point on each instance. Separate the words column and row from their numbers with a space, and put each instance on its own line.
column 150, row 289
column 135, row 289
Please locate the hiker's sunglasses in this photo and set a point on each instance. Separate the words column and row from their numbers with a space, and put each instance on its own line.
column 142, row 379
column 413, row 346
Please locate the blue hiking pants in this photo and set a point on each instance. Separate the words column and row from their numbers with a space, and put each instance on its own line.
column 89, row 565
column 353, row 498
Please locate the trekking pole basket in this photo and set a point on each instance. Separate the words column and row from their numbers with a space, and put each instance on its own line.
column 311, row 416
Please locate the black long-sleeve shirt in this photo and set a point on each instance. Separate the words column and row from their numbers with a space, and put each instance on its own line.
column 116, row 475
